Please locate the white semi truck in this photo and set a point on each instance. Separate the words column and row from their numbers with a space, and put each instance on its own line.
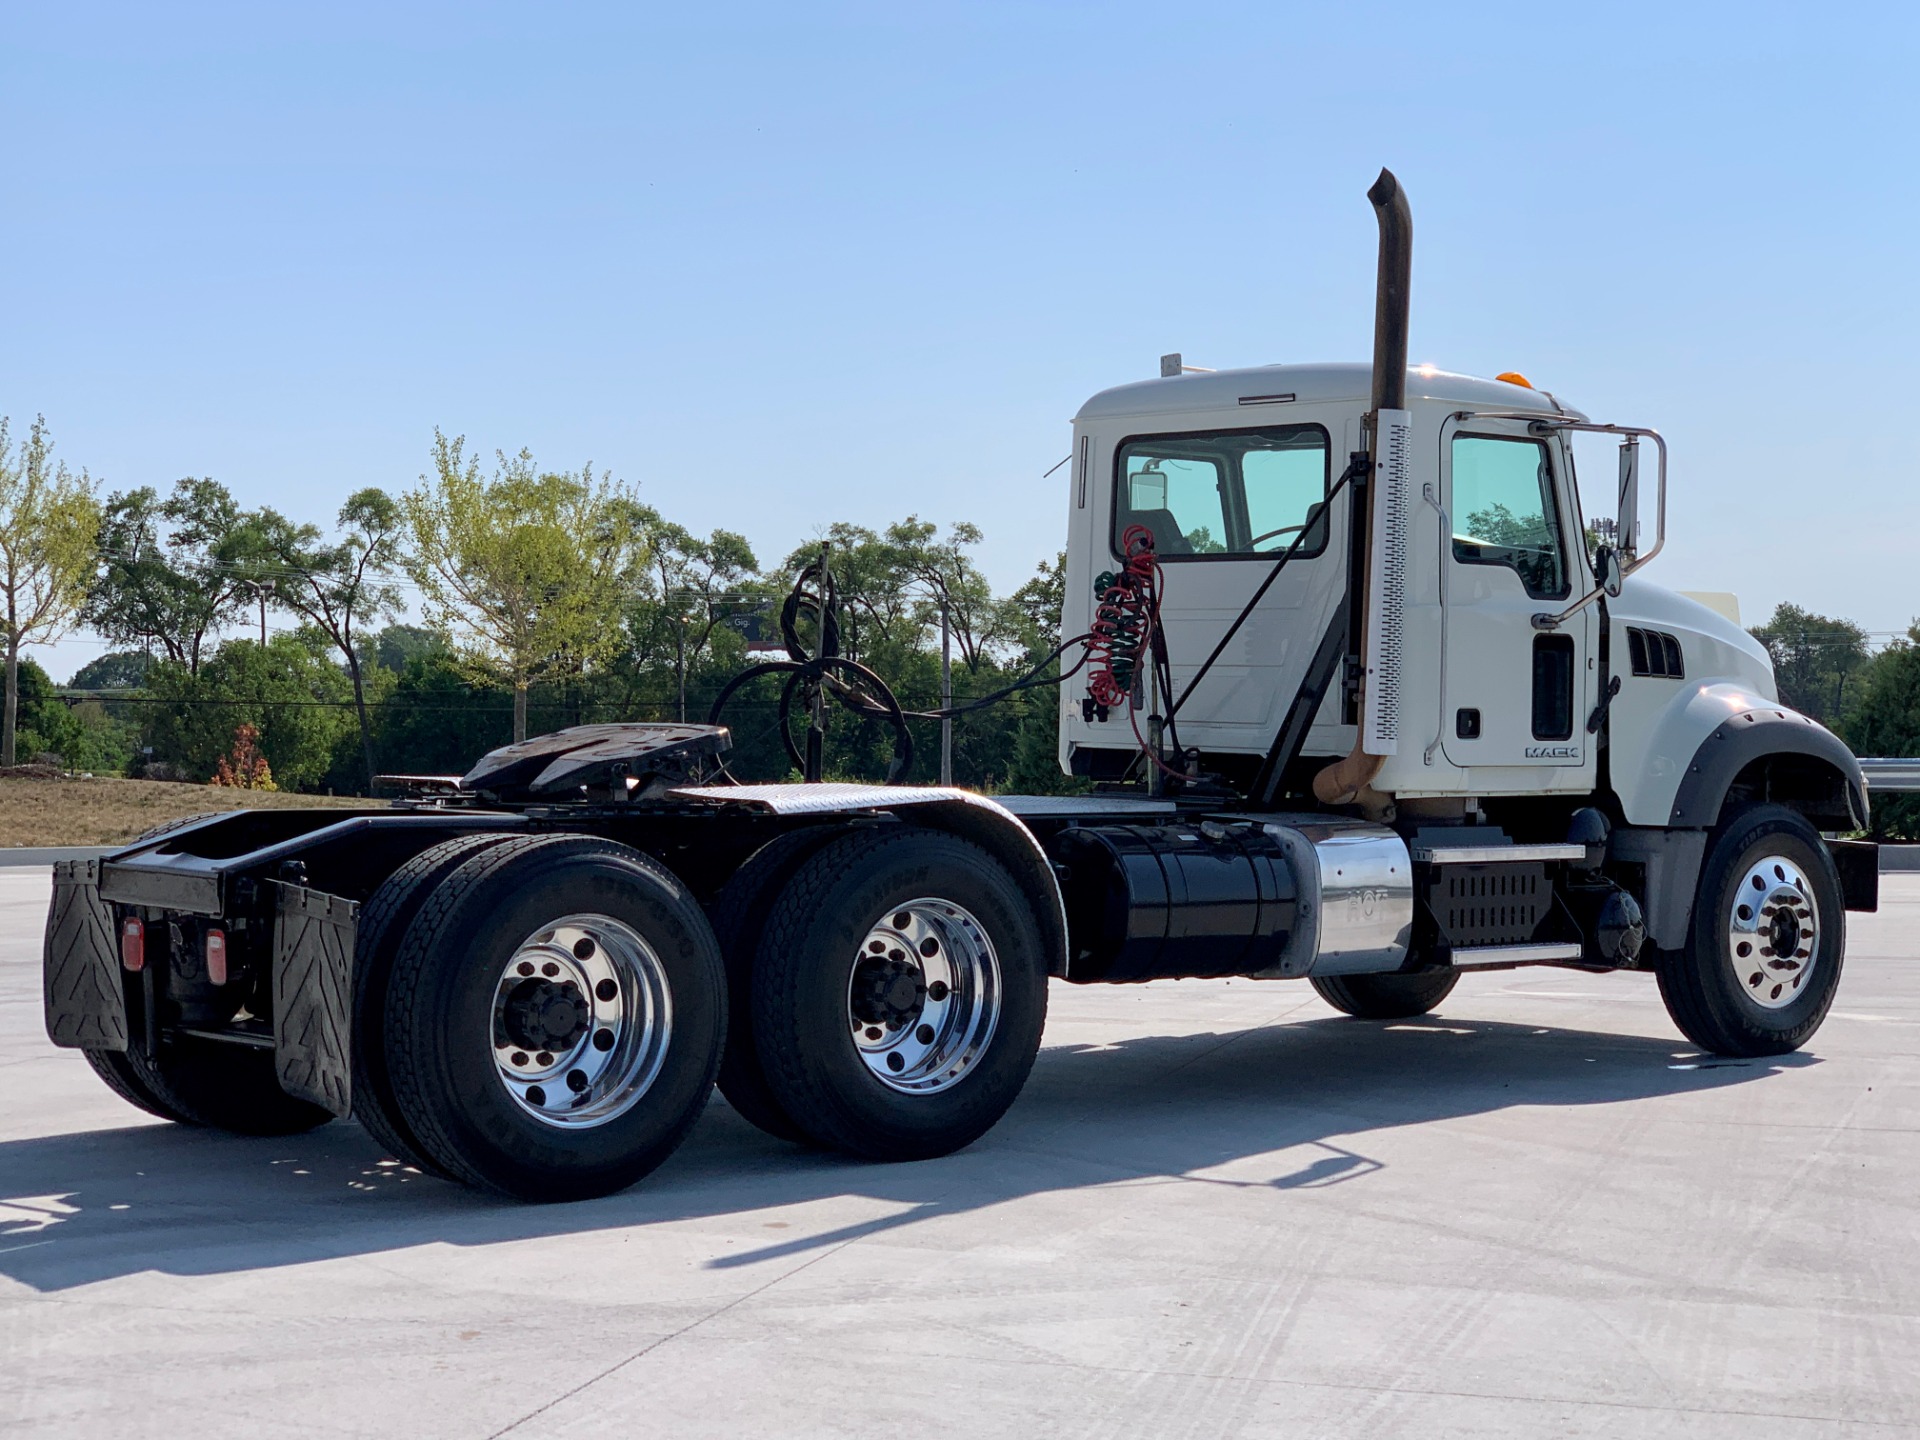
column 1363, row 702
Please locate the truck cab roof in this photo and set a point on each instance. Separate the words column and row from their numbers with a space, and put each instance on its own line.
column 1262, row 385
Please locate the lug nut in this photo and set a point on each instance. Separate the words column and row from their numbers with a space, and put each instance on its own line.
column 549, row 969
column 526, row 967
column 519, row 1057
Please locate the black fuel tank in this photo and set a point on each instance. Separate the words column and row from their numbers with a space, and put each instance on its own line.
column 1156, row 902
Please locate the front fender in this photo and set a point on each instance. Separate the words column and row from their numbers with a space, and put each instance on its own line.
column 1678, row 771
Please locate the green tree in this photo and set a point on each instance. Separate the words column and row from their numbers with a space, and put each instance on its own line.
column 950, row 581
column 1884, row 719
column 397, row 646
column 49, row 520
column 84, row 736
column 116, row 670
column 1816, row 659
column 298, row 700
column 528, row 573
column 438, row 718
column 337, row 585
column 689, row 581
column 170, row 570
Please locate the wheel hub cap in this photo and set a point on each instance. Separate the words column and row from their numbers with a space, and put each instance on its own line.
column 543, row 1016
column 1773, row 932
column 924, row 995
column 582, row 1015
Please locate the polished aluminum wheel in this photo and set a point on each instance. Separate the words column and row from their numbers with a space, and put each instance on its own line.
column 1773, row 932
column 925, row 995
column 582, row 1016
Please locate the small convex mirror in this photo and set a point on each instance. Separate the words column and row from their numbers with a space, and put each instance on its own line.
column 1607, row 570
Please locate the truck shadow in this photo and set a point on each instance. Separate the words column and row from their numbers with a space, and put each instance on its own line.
column 1279, row 1108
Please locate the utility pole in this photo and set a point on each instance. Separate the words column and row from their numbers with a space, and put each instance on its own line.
column 946, row 691
column 260, row 589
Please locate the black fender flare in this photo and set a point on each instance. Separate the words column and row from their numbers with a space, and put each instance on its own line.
column 1673, row 855
column 1752, row 736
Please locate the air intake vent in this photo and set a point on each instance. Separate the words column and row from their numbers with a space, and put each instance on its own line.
column 1655, row 653
column 1387, row 584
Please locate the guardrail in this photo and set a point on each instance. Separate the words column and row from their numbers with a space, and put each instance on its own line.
column 1890, row 776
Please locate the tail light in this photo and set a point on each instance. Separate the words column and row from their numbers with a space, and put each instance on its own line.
column 217, row 956
column 133, row 944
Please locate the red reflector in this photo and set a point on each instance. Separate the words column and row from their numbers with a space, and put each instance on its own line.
column 217, row 956
column 133, row 944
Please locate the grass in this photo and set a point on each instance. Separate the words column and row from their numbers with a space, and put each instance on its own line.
column 42, row 810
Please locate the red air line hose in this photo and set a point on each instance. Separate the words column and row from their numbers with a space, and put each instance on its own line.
column 1125, row 620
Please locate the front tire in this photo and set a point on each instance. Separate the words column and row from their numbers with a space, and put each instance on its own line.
column 554, row 1017
column 899, row 993
column 1386, row 997
column 1762, row 959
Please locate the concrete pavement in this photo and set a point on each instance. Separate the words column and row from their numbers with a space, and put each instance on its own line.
column 1219, row 1209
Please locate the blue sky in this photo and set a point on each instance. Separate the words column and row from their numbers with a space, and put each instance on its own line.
column 781, row 265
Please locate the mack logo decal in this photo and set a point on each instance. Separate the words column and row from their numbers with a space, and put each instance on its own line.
column 1553, row 752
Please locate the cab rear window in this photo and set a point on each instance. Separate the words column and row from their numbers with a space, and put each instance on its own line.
column 1225, row 494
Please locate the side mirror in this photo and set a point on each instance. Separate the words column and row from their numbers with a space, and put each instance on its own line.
column 1627, row 536
column 1608, row 571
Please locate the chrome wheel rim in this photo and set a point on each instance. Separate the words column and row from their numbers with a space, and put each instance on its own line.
column 582, row 1015
column 924, row 996
column 1773, row 932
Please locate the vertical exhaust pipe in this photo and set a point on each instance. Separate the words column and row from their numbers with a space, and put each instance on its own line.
column 1392, row 301
column 1349, row 780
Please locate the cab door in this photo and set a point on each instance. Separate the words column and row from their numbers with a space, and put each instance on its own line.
column 1514, row 697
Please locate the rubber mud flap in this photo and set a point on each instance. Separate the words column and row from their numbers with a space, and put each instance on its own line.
column 86, row 1007
column 313, row 996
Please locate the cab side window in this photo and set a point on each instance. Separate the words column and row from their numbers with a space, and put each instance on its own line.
column 1504, row 511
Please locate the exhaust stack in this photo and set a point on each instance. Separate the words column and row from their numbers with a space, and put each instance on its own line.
column 1377, row 568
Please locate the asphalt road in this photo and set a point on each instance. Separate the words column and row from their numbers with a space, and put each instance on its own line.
column 1218, row 1210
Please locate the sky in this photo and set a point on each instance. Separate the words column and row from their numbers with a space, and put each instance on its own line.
column 784, row 265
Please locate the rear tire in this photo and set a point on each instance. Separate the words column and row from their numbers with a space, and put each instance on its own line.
column 203, row 1082
column 739, row 921
column 382, row 924
column 1386, row 997
column 1771, row 999
column 873, row 928
column 477, row 1075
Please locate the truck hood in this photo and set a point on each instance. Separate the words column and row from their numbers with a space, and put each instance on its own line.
column 1713, row 646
